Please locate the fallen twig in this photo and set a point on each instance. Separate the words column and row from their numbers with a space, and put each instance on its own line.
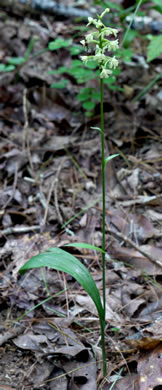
column 131, row 243
column 19, row 230
column 48, row 6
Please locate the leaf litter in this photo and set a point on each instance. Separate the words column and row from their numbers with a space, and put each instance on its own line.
column 50, row 174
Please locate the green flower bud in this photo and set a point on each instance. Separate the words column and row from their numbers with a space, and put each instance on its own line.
column 105, row 12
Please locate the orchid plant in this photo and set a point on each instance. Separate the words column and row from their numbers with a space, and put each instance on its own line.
column 101, row 43
column 58, row 258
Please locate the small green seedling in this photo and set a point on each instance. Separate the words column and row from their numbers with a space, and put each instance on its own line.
column 14, row 64
column 60, row 259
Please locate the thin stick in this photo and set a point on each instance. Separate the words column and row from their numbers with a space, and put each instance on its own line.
column 131, row 243
column 19, row 230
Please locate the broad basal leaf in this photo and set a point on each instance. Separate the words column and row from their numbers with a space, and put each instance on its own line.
column 84, row 245
column 63, row 261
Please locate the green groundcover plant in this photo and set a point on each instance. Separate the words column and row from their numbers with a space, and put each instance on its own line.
column 58, row 258
column 14, row 63
column 88, row 96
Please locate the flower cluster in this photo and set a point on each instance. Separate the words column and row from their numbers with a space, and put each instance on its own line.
column 102, row 44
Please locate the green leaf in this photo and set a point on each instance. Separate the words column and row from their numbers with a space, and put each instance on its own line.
column 81, row 74
column 61, row 84
column 84, row 94
column 95, row 95
column 6, row 68
column 75, row 50
column 89, row 113
column 16, row 60
column 147, row 88
column 111, row 80
column 80, row 28
column 111, row 5
column 91, row 64
column 84, row 245
column 125, row 54
column 88, row 105
column 159, row 5
column 158, row 2
column 59, row 43
column 76, row 63
column 154, row 48
column 115, row 329
column 107, row 159
column 129, row 38
column 63, row 261
column 62, row 69
column 116, row 72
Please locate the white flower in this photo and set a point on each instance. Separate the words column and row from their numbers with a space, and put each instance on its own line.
column 113, row 62
column 109, row 30
column 95, row 34
column 98, row 39
column 83, row 42
column 103, row 33
column 91, row 21
column 99, row 57
column 114, row 31
column 105, row 12
column 96, row 22
column 84, row 59
column 89, row 38
column 113, row 45
column 105, row 73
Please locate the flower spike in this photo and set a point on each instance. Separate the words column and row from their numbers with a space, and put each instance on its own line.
column 102, row 44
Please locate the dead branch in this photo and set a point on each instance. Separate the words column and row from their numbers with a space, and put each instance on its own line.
column 43, row 6
column 136, row 247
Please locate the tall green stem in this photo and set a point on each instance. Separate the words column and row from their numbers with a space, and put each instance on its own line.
column 103, row 226
column 103, row 195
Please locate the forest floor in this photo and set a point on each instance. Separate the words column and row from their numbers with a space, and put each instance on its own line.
column 50, row 195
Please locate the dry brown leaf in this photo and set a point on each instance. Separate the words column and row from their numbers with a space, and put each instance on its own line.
column 132, row 225
column 147, row 338
column 150, row 370
column 136, row 259
column 132, row 298
column 88, row 305
column 130, row 382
